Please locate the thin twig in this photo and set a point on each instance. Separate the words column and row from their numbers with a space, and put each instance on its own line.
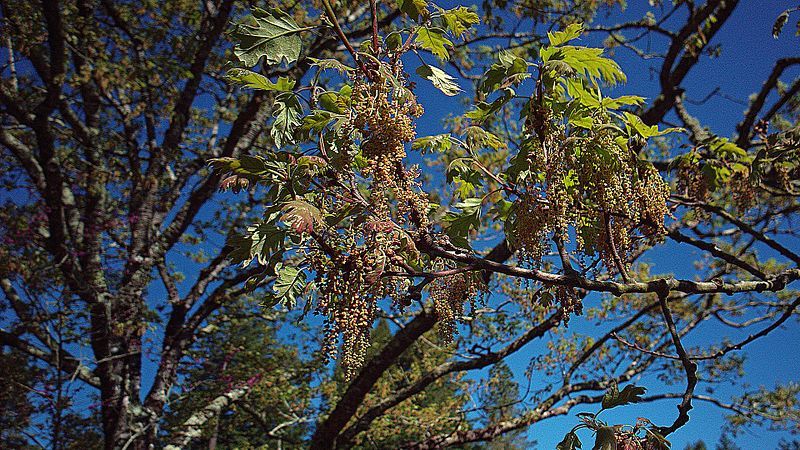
column 342, row 37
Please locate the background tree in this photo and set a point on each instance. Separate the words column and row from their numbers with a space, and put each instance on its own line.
column 118, row 278
column 110, row 112
column 243, row 344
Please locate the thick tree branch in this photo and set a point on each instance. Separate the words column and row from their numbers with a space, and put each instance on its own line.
column 193, row 426
column 745, row 127
column 677, row 236
column 423, row 382
column 670, row 78
column 327, row 431
column 742, row 225
column 771, row 283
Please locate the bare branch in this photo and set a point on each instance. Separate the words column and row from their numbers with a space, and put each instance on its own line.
column 68, row 364
column 193, row 426
column 745, row 127
column 689, row 367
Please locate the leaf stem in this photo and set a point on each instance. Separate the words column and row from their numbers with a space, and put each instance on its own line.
column 342, row 37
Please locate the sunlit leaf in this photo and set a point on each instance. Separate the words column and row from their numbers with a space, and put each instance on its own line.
column 334, row 64
column 585, row 61
column 287, row 118
column 478, row 138
column 255, row 80
column 288, row 286
column 507, row 65
column 459, row 224
column 573, row 31
column 433, row 40
column 437, row 143
column 460, row 19
column 260, row 242
column 636, row 126
column 275, row 37
column 440, row 79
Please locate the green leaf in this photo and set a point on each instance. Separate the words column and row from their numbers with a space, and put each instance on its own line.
column 630, row 394
column 440, row 79
column 777, row 27
column 438, row 143
column 570, row 442
column 334, row 64
column 413, row 8
column 724, row 148
column 317, row 120
column 478, row 138
column 274, row 37
column 301, row 216
column 581, row 122
column 466, row 179
column 508, row 69
column 287, row 118
column 635, row 125
column 458, row 225
column 715, row 176
column 510, row 227
column 573, row 31
column 584, row 97
column 484, row 111
column 587, row 62
column 311, row 165
column 289, row 284
column 615, row 103
column 251, row 169
column 254, row 80
column 393, row 40
column 459, row 20
column 605, row 439
column 260, row 242
column 433, row 40
column 329, row 101
column 519, row 169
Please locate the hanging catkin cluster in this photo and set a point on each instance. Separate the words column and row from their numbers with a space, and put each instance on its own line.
column 351, row 266
column 350, row 285
column 696, row 179
column 384, row 115
column 592, row 183
column 448, row 295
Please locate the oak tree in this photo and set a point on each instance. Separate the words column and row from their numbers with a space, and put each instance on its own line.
column 128, row 277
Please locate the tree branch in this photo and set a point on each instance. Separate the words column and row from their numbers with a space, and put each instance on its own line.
column 193, row 426
column 69, row 364
column 689, row 367
column 745, row 127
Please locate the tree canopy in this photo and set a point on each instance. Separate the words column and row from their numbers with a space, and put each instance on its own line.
column 224, row 226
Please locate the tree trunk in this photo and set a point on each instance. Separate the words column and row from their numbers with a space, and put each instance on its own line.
column 117, row 331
